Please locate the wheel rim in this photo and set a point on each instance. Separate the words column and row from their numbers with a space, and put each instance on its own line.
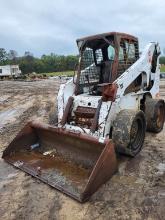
column 137, row 134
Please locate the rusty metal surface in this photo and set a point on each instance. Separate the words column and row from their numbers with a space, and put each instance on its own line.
column 73, row 163
column 86, row 112
column 84, row 116
column 93, row 37
column 118, row 67
column 96, row 117
column 109, row 91
column 67, row 110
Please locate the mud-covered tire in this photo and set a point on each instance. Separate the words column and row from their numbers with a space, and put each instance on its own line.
column 155, row 114
column 129, row 132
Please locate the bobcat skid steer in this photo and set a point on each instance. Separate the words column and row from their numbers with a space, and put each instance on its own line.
column 110, row 102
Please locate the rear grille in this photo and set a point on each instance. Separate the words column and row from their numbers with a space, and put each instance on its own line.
column 84, row 116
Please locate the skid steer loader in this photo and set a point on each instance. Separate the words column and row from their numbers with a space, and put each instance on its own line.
column 107, row 106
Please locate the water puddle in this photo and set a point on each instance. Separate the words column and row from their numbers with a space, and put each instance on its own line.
column 4, row 99
column 161, row 168
column 7, row 173
column 7, row 116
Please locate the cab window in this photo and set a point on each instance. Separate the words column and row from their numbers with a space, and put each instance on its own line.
column 111, row 52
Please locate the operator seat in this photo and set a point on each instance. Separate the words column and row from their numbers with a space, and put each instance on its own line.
column 106, row 73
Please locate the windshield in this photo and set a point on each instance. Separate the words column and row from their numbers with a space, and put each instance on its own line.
column 94, row 61
column 111, row 52
column 89, row 70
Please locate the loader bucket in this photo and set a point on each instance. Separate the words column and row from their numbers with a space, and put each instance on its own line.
column 74, row 163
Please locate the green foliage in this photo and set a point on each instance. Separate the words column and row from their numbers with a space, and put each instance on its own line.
column 46, row 64
column 55, row 63
column 162, row 69
column 3, row 56
column 162, row 60
column 51, row 65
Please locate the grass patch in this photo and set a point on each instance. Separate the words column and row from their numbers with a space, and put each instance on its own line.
column 162, row 69
column 64, row 73
column 45, row 75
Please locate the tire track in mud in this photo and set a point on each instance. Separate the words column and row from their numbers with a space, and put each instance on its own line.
column 17, row 125
column 38, row 200
column 135, row 192
column 30, row 197
column 39, row 108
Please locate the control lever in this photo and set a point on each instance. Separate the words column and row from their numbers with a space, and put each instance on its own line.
column 87, row 78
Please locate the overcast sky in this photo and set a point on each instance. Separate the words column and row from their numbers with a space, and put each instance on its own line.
column 45, row 26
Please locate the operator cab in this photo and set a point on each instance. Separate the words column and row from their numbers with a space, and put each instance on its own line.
column 103, row 58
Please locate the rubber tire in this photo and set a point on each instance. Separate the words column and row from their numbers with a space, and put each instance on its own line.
column 122, row 132
column 154, row 109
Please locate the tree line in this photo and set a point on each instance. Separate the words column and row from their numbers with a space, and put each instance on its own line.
column 46, row 64
column 162, row 60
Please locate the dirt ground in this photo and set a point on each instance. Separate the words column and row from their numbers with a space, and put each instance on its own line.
column 136, row 191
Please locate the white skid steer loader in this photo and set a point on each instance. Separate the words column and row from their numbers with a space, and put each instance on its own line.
column 110, row 102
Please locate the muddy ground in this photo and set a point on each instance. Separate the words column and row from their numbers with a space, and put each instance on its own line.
column 136, row 191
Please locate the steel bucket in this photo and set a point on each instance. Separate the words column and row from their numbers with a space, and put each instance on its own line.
column 74, row 163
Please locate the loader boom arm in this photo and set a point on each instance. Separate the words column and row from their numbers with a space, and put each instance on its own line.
column 142, row 66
